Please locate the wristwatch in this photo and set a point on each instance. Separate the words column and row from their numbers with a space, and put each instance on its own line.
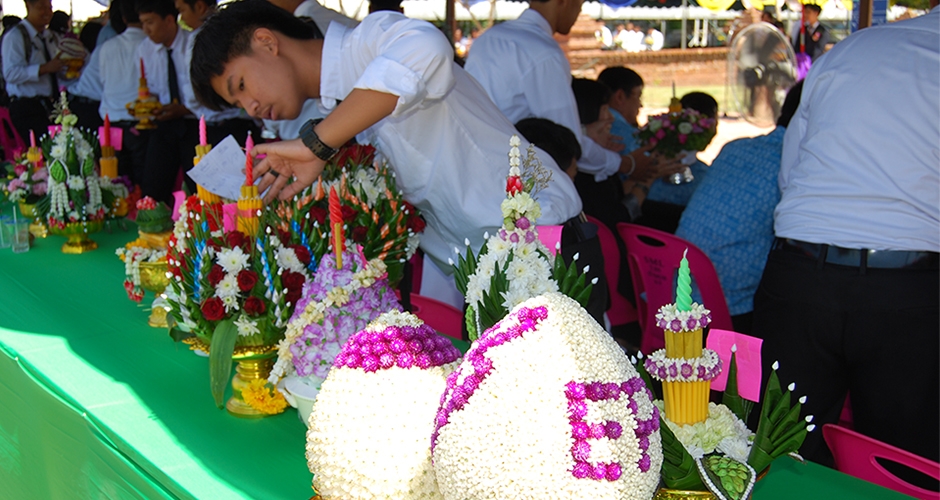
column 313, row 142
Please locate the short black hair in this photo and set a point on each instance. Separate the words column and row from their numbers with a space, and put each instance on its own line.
column 209, row 3
column 10, row 21
column 790, row 104
column 813, row 7
column 127, row 10
column 89, row 35
column 162, row 8
column 60, row 22
column 227, row 34
column 590, row 96
column 556, row 140
column 620, row 78
column 701, row 102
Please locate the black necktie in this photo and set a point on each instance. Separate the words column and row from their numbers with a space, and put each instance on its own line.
column 55, row 80
column 171, row 72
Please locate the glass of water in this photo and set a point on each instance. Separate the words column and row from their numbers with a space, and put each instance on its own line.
column 20, row 236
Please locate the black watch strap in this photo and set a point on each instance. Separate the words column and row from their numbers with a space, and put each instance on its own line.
column 313, row 142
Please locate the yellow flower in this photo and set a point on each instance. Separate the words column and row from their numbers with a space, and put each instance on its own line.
column 260, row 396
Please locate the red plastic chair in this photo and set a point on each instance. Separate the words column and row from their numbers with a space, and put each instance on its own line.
column 855, row 455
column 621, row 310
column 10, row 140
column 654, row 258
column 442, row 317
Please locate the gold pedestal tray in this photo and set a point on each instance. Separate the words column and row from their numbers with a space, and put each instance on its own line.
column 153, row 276
column 37, row 227
column 77, row 236
column 254, row 363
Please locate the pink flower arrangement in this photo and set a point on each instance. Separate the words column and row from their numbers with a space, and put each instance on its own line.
column 25, row 183
column 670, row 133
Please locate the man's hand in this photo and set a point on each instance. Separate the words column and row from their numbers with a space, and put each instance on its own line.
column 599, row 132
column 171, row 111
column 52, row 66
column 286, row 160
column 649, row 167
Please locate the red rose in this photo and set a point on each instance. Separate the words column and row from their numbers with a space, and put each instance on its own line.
column 292, row 281
column 213, row 309
column 292, row 297
column 283, row 235
column 237, row 239
column 247, row 280
column 192, row 203
column 216, row 274
column 349, row 213
column 318, row 214
column 254, row 306
column 416, row 223
column 359, row 234
column 303, row 255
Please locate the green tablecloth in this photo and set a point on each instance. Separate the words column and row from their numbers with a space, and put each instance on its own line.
column 96, row 404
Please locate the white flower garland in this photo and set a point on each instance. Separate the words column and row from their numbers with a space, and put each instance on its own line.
column 672, row 319
column 133, row 256
column 314, row 311
column 546, row 405
column 704, row 368
column 722, row 431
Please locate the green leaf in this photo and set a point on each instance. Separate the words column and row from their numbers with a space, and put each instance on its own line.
column 726, row 477
column 220, row 358
column 471, row 319
column 732, row 399
column 678, row 471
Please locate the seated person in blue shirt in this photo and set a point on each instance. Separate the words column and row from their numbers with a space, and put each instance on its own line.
column 626, row 92
column 731, row 214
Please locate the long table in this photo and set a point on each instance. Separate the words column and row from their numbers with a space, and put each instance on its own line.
column 96, row 404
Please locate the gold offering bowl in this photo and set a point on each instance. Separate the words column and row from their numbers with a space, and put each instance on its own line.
column 254, row 363
column 37, row 227
column 153, row 276
column 77, row 236
column 143, row 110
column 73, row 67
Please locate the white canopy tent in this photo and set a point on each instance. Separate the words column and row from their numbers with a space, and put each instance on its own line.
column 80, row 9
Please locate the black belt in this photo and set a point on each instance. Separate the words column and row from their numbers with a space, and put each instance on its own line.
column 39, row 98
column 84, row 100
column 861, row 258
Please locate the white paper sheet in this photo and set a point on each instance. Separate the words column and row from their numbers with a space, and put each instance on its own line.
column 220, row 171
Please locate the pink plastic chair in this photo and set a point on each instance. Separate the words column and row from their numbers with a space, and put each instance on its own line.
column 442, row 317
column 654, row 258
column 10, row 139
column 855, row 455
column 621, row 310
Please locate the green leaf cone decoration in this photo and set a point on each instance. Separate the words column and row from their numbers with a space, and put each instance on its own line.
column 679, row 471
column 88, row 167
column 220, row 358
column 731, row 398
column 727, row 478
column 781, row 430
column 71, row 157
column 57, row 171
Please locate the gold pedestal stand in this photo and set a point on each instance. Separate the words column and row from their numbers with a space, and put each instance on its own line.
column 246, row 371
column 76, row 234
column 37, row 227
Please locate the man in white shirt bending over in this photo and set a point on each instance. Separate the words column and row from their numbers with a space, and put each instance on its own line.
column 312, row 12
column 391, row 82
column 118, row 68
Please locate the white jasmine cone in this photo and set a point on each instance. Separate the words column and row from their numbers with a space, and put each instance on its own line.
column 546, row 405
column 371, row 424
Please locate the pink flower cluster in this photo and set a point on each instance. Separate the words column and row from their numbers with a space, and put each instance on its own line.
column 146, row 203
column 578, row 395
column 691, row 324
column 401, row 346
column 455, row 397
column 671, row 369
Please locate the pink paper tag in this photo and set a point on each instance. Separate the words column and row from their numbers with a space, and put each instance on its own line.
column 179, row 198
column 550, row 236
column 230, row 216
column 747, row 358
column 54, row 129
column 117, row 137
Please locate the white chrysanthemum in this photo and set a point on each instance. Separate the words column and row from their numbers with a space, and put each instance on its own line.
column 513, row 438
column 684, row 128
column 233, row 260
column 228, row 286
column 231, row 303
column 58, row 151
column 246, row 326
column 75, row 182
column 721, row 431
column 287, row 259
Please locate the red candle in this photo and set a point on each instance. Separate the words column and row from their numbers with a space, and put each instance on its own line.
column 32, row 139
column 336, row 223
column 202, row 131
column 143, row 75
column 107, row 132
column 249, row 171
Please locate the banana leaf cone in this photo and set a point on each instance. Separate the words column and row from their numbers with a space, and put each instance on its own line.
column 679, row 471
column 727, row 478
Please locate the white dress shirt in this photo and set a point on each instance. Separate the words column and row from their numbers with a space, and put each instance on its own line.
column 189, row 96
column 860, row 168
column 322, row 17
column 22, row 76
column 527, row 75
column 446, row 141
column 120, row 73
column 155, row 65
column 89, row 84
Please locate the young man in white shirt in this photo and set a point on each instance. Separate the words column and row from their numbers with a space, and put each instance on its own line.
column 391, row 82
column 219, row 124
column 120, row 77
column 30, row 71
column 164, row 58
column 85, row 94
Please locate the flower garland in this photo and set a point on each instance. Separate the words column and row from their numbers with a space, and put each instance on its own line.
column 369, row 428
column 722, row 432
column 545, row 405
column 674, row 320
column 264, row 398
column 315, row 311
column 132, row 258
column 667, row 369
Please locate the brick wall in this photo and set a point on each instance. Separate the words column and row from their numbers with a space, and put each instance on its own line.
column 690, row 67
